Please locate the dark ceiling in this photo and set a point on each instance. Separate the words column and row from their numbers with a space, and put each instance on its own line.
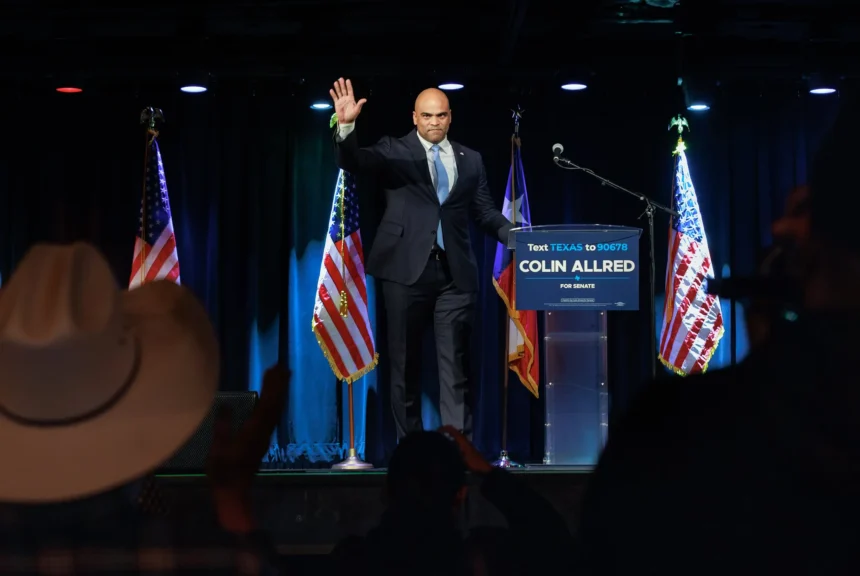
column 464, row 37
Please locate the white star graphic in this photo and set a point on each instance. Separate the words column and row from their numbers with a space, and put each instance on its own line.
column 517, row 216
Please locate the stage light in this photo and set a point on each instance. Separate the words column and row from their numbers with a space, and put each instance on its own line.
column 320, row 106
column 698, row 93
column 69, row 90
column 194, row 81
column 573, row 86
column 822, row 84
column 450, row 86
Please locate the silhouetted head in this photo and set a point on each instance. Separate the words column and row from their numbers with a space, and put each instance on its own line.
column 427, row 474
column 432, row 115
column 793, row 226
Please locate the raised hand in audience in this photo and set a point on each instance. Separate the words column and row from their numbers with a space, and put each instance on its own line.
column 234, row 462
column 475, row 462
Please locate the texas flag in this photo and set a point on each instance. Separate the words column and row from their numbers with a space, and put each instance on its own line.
column 522, row 324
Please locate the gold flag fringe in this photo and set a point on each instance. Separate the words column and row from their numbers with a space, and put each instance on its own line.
column 349, row 379
column 526, row 379
column 708, row 358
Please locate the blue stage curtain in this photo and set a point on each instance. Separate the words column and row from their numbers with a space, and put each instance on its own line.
column 272, row 171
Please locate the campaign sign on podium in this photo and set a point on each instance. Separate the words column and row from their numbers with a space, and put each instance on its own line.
column 587, row 268
column 575, row 275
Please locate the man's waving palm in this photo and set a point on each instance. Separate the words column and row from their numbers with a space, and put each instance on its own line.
column 345, row 106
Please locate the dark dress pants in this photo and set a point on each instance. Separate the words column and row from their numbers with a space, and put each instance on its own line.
column 410, row 309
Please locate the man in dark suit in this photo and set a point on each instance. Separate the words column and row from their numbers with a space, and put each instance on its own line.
column 423, row 253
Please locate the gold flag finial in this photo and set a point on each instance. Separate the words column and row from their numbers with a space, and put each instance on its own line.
column 516, row 116
column 680, row 123
column 151, row 117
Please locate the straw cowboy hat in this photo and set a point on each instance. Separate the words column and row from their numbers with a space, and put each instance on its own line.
column 98, row 386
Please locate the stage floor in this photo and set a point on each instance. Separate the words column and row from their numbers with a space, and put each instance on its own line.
column 308, row 511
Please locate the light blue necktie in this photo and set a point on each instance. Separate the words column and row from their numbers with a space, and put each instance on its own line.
column 442, row 188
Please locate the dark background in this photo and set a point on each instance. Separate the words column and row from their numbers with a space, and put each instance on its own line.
column 250, row 167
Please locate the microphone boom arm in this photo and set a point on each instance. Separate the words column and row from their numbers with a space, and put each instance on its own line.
column 650, row 208
column 566, row 164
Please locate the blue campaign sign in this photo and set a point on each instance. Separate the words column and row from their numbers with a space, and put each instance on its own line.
column 594, row 268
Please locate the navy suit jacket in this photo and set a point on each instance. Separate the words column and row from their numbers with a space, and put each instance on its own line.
column 407, row 232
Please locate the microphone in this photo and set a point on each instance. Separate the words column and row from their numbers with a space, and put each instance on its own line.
column 557, row 150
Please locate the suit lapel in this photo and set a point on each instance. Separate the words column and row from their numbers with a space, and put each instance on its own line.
column 419, row 155
column 460, row 161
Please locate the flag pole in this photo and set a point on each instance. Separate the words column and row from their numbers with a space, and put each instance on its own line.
column 504, row 460
column 352, row 460
column 149, row 497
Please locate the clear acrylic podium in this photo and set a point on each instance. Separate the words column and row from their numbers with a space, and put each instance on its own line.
column 575, row 370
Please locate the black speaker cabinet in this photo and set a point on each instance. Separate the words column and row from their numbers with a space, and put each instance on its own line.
column 191, row 458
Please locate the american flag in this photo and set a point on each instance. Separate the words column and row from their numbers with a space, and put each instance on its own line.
column 692, row 319
column 522, row 324
column 341, row 320
column 155, row 256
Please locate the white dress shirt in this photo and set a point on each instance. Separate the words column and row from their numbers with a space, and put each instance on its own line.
column 446, row 154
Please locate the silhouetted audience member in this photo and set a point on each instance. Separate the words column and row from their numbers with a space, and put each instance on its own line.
column 98, row 388
column 420, row 532
column 793, row 226
column 753, row 469
column 769, row 296
column 775, row 291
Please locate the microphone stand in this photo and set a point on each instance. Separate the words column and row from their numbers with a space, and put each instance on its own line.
column 650, row 208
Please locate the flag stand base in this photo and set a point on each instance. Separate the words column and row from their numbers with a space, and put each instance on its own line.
column 352, row 462
column 505, row 462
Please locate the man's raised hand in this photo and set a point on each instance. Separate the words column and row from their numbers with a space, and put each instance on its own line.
column 345, row 106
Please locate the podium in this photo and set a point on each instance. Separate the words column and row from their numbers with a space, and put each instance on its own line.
column 574, row 275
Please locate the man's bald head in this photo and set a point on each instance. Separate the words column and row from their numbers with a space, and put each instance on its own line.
column 431, row 96
column 432, row 115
